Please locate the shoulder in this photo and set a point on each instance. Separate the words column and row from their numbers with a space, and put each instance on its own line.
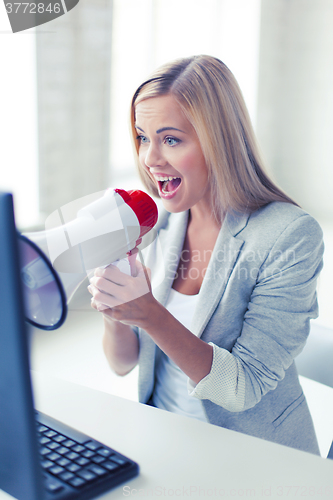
column 277, row 228
column 278, row 218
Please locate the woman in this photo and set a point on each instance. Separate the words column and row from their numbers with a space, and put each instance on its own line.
column 217, row 337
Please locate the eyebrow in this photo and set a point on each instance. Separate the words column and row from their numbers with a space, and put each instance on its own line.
column 162, row 129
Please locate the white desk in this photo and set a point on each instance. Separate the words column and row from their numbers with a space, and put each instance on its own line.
column 181, row 457
column 74, row 353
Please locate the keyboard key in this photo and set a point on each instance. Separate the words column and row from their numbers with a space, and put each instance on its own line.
column 63, row 461
column 53, row 485
column 110, row 465
column 56, row 470
column 87, row 475
column 59, row 438
column 104, row 452
column 82, row 461
column 50, row 433
column 78, row 448
column 62, row 450
column 52, row 456
column 88, row 454
column 41, row 428
column 118, row 460
column 44, row 450
column 92, row 445
column 52, row 445
column 72, row 455
column 73, row 467
column 77, row 482
column 66, row 476
column 44, row 440
column 46, row 464
column 69, row 443
column 96, row 469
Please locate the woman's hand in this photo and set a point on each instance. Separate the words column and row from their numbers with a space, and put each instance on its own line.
column 130, row 301
column 121, row 297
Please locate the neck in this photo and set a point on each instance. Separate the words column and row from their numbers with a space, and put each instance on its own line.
column 203, row 217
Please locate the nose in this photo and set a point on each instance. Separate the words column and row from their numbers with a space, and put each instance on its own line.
column 154, row 156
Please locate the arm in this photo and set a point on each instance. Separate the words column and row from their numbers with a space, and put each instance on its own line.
column 276, row 322
column 121, row 346
column 131, row 302
column 120, row 342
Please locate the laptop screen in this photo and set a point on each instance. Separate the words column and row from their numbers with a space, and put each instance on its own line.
column 20, row 473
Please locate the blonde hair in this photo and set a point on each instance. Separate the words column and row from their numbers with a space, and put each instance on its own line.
column 211, row 99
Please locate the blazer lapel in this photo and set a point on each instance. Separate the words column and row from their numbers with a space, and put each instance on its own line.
column 221, row 264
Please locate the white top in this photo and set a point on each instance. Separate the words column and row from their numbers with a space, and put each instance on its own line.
column 171, row 389
column 174, row 391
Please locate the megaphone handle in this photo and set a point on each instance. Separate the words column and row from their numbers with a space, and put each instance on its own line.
column 131, row 257
column 132, row 261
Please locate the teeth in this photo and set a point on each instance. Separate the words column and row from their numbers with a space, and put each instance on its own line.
column 162, row 179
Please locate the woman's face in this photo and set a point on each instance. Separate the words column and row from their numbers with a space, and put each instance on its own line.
column 169, row 150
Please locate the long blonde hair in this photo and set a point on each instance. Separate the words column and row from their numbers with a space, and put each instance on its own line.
column 211, row 99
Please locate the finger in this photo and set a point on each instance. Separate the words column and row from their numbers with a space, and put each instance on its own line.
column 93, row 290
column 104, row 299
column 99, row 307
column 106, row 286
column 102, row 307
column 111, row 273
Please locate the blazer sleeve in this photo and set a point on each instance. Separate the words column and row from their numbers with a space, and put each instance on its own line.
column 276, row 323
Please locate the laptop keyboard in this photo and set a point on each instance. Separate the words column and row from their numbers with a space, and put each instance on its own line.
column 78, row 464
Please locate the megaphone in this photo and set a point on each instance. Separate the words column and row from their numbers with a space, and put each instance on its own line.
column 56, row 261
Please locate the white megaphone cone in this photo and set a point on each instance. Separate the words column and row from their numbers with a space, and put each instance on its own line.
column 104, row 232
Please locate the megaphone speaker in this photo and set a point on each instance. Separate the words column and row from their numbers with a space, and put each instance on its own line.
column 57, row 260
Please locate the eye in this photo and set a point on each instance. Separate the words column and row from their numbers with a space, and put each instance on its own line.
column 142, row 139
column 171, row 141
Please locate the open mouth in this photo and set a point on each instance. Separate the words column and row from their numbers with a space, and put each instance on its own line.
column 168, row 185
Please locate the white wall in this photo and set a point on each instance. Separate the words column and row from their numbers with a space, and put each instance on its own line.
column 18, row 120
column 295, row 112
column 149, row 33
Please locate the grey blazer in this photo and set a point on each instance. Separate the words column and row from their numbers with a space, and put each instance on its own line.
column 256, row 301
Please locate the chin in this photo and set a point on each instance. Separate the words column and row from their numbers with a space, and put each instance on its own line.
column 173, row 208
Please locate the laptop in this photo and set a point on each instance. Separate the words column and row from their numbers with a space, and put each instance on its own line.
column 40, row 458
